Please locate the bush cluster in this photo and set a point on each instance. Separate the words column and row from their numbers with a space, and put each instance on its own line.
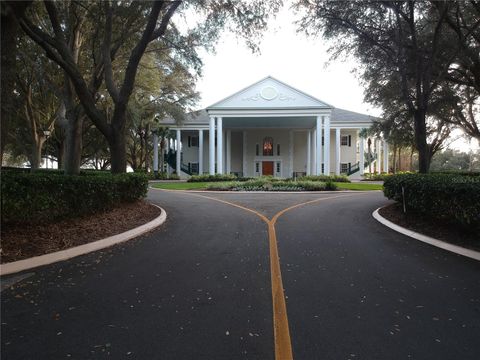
column 375, row 177
column 447, row 197
column 212, row 178
column 49, row 196
column 325, row 178
column 266, row 184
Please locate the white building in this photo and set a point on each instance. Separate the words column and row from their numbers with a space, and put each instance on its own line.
column 271, row 128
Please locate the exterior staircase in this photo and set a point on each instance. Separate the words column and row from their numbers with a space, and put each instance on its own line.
column 355, row 169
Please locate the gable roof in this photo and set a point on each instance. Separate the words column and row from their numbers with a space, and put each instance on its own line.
column 269, row 93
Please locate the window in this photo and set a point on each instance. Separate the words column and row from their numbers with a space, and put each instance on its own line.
column 343, row 168
column 278, row 149
column 344, row 140
column 193, row 167
column 257, row 150
column 257, row 167
column 268, row 146
column 323, row 140
column 278, row 167
column 193, row 141
column 323, row 168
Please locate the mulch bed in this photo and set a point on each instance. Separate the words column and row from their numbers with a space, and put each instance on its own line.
column 433, row 228
column 20, row 241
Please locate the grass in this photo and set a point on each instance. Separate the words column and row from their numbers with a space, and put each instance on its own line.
column 203, row 185
column 358, row 186
column 181, row 185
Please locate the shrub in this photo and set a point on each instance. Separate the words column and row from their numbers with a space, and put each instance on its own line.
column 325, row 178
column 265, row 184
column 375, row 177
column 165, row 176
column 41, row 196
column 446, row 197
column 209, row 178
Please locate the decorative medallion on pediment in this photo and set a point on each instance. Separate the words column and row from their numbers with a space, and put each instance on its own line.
column 269, row 93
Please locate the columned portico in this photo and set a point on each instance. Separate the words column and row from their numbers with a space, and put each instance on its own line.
column 211, row 146
column 337, row 151
column 385, row 156
column 362, row 155
column 318, row 166
column 200, row 151
column 309, row 152
column 273, row 129
column 219, row 145
column 326, row 148
column 179, row 152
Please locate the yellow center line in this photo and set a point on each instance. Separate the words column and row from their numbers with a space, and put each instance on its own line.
column 281, row 332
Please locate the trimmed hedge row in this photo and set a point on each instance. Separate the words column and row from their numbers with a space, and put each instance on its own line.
column 325, row 178
column 266, row 185
column 447, row 197
column 36, row 197
column 212, row 178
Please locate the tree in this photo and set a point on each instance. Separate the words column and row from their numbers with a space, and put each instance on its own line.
column 10, row 12
column 138, row 25
column 398, row 44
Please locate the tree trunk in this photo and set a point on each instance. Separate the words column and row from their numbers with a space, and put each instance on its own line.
column 118, row 151
column 399, row 159
column 60, row 154
column 36, row 155
column 421, row 141
column 73, row 143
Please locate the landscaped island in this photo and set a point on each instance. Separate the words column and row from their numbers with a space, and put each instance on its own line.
column 267, row 183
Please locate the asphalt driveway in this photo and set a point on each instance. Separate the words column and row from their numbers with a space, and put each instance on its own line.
column 200, row 288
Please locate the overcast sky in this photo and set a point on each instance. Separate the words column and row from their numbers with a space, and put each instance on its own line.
column 290, row 57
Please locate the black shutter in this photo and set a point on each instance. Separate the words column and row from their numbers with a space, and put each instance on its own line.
column 349, row 140
column 189, row 141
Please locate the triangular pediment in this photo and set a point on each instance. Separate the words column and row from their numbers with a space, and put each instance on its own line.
column 269, row 93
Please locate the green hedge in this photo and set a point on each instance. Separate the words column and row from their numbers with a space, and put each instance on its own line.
column 263, row 184
column 42, row 196
column 211, row 178
column 447, row 197
column 325, row 178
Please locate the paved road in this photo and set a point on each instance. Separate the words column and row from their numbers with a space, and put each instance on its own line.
column 200, row 288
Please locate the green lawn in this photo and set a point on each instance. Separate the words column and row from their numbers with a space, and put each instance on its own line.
column 358, row 186
column 203, row 185
column 181, row 185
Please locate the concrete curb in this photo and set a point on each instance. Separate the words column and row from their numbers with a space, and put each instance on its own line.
column 427, row 239
column 27, row 264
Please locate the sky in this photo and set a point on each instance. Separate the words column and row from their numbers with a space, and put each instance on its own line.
column 292, row 58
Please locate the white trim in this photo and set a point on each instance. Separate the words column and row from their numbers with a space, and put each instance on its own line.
column 427, row 239
column 179, row 152
column 26, row 264
column 228, row 156
column 219, row 146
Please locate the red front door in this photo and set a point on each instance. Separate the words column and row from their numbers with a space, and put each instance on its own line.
column 267, row 168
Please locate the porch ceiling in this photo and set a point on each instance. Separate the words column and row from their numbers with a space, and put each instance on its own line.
column 293, row 122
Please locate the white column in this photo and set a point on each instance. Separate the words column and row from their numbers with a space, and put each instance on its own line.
column 309, row 152
column 219, row 146
column 326, row 148
column 244, row 154
column 211, row 146
column 200, row 151
column 179, row 149
column 314, row 152
column 385, row 156
column 362, row 155
column 229, row 151
column 155, row 153
column 337, row 151
column 319, row 146
column 378, row 167
column 290, row 151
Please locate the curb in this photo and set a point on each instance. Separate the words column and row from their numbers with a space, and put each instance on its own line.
column 426, row 239
column 36, row 261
